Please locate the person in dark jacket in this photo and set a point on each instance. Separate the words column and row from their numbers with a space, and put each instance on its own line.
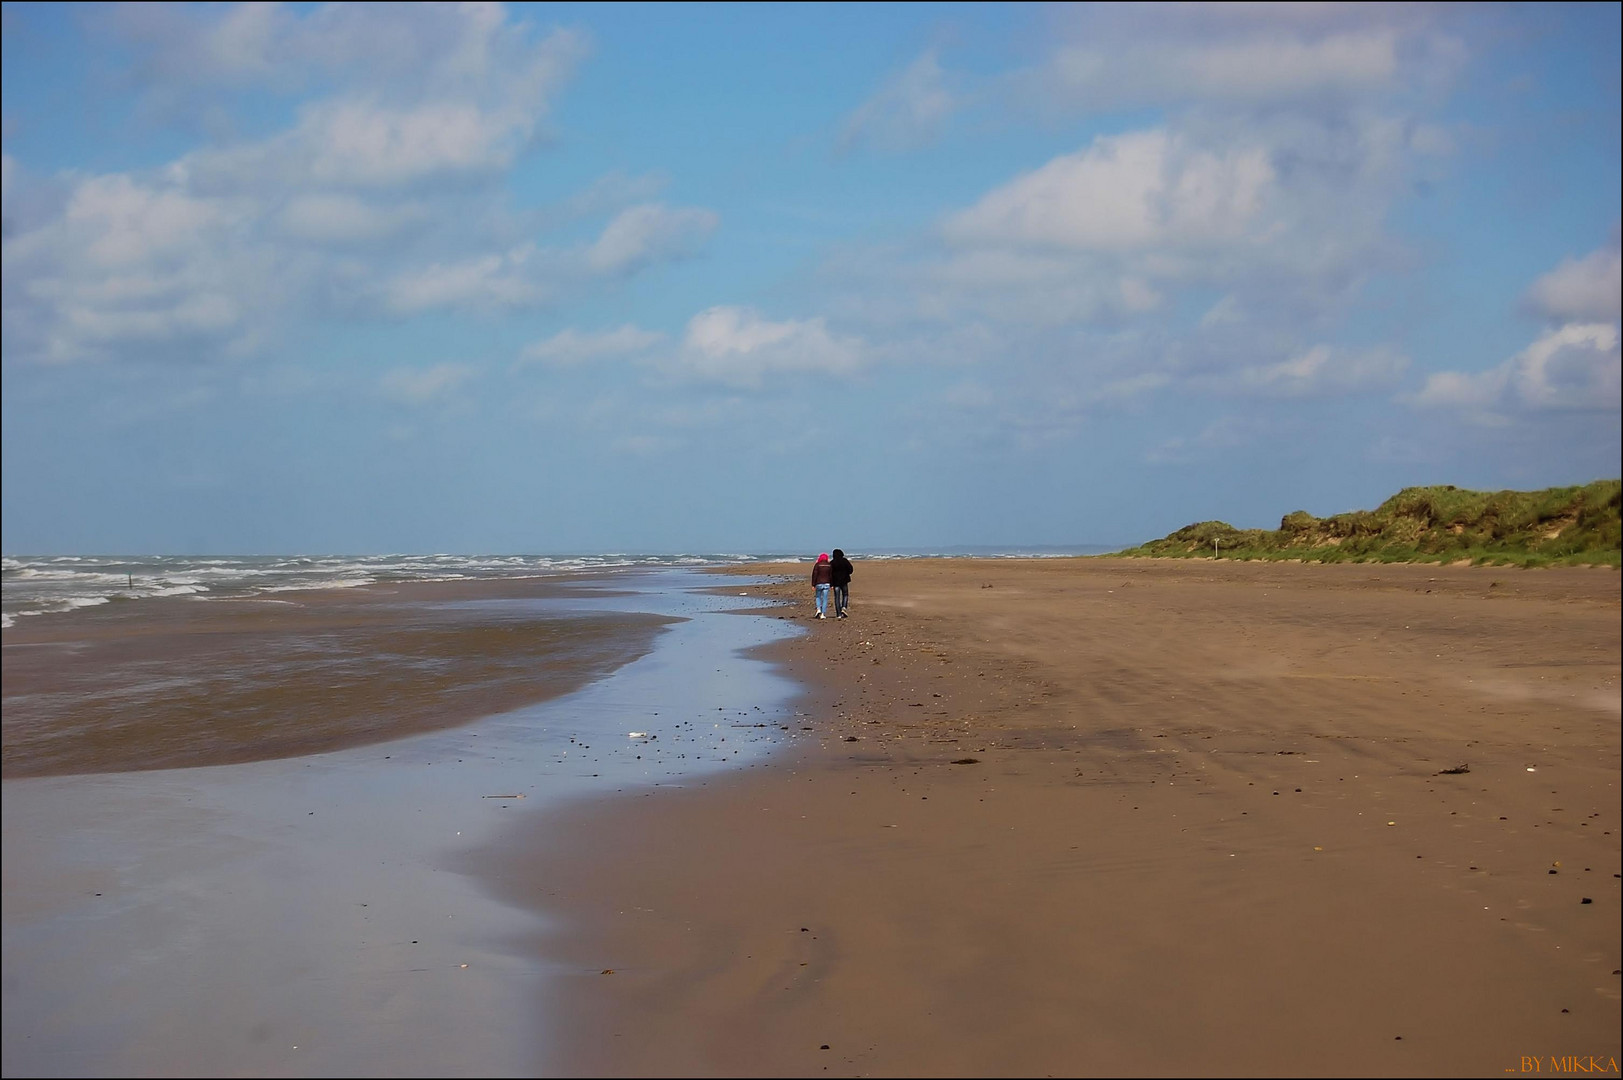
column 822, row 578
column 842, row 571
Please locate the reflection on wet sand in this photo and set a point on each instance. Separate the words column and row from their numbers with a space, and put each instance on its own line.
column 307, row 916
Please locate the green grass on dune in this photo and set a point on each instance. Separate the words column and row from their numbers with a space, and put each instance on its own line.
column 1555, row 527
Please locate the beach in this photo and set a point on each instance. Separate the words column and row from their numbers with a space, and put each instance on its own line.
column 1141, row 817
column 419, row 424
column 1013, row 817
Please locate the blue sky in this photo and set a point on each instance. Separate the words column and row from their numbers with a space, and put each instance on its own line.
column 554, row 278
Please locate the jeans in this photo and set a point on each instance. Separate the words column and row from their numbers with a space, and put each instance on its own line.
column 842, row 597
column 822, row 600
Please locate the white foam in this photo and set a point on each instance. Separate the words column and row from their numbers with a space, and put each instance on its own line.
column 179, row 590
column 86, row 576
column 338, row 583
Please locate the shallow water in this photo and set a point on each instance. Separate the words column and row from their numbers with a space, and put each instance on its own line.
column 296, row 917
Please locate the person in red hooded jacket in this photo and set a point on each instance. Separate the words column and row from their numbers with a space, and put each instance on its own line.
column 822, row 578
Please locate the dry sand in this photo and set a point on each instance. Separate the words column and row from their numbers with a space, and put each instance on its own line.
column 1217, row 822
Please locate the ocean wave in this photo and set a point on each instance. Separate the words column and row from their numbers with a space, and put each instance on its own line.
column 32, row 573
column 69, row 604
column 333, row 583
column 37, row 585
column 179, row 589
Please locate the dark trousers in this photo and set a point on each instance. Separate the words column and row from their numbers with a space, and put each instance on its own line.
column 842, row 597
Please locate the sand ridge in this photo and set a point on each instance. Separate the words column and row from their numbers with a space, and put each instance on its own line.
column 1212, row 826
column 172, row 682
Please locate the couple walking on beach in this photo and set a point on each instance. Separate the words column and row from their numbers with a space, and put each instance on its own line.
column 832, row 574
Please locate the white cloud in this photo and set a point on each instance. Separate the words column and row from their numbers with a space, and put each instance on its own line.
column 1462, row 390
column 361, row 144
column 123, row 222
column 907, row 112
column 393, row 54
column 735, row 345
column 1573, row 368
column 370, row 201
column 1125, row 192
column 1286, row 216
column 570, row 347
column 642, row 234
column 613, row 191
column 123, row 261
column 1226, row 312
column 1589, row 289
column 241, row 47
column 1094, row 269
column 409, row 92
column 485, row 282
column 1290, row 135
column 1249, row 55
column 344, row 219
column 1322, row 370
column 1256, row 67
column 352, row 142
column 418, row 386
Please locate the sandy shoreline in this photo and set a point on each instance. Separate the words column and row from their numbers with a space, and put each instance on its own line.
column 1210, row 828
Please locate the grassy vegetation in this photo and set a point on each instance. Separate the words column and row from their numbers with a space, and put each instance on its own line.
column 1553, row 527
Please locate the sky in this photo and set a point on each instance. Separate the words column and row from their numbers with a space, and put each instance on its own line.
column 488, row 278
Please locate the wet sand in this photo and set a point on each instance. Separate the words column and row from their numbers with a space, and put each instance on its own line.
column 303, row 916
column 1116, row 816
column 177, row 682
